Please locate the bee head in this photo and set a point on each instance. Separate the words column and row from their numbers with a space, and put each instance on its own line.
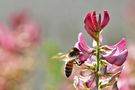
column 74, row 52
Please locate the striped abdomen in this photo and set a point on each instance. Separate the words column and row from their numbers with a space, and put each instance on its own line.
column 69, row 68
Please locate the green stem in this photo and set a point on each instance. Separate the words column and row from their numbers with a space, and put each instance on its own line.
column 98, row 61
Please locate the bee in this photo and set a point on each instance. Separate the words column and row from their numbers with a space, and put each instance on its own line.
column 71, row 58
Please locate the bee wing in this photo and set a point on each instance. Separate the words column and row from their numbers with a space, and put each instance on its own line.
column 60, row 56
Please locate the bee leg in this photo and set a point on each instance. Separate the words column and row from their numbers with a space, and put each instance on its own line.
column 79, row 63
column 75, row 62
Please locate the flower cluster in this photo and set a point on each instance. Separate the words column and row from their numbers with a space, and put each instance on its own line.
column 16, row 45
column 102, row 63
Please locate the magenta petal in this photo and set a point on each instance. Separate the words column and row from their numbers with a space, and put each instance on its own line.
column 120, row 45
column 118, row 59
column 121, row 58
column 99, row 18
column 84, row 57
column 94, row 18
column 105, row 19
column 93, row 25
column 90, row 83
column 110, row 53
column 90, row 32
column 88, row 21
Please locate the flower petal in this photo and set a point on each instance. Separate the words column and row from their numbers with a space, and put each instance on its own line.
column 99, row 18
column 109, row 53
column 84, row 57
column 78, row 84
column 7, row 39
column 94, row 18
column 89, row 22
column 105, row 20
column 121, row 58
column 83, row 45
column 118, row 59
column 120, row 45
column 90, row 32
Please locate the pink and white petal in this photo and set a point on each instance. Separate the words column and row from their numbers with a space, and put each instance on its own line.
column 118, row 59
column 82, row 44
column 114, row 69
column 109, row 53
column 121, row 58
column 120, row 45
column 85, row 73
column 78, row 84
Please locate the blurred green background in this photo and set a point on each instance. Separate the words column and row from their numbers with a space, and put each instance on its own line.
column 60, row 22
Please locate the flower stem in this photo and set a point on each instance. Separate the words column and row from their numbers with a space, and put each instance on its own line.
column 97, row 61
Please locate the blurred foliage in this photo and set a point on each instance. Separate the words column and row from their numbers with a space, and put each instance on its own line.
column 52, row 66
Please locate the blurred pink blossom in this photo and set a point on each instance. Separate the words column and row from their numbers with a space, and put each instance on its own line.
column 22, row 34
column 16, row 44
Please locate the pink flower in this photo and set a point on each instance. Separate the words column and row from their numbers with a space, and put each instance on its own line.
column 7, row 39
column 18, row 18
column 23, row 34
column 92, row 25
column 121, row 45
column 83, row 47
column 27, row 30
column 28, row 35
column 124, row 81
column 117, row 53
column 81, row 83
column 16, row 61
column 78, row 83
